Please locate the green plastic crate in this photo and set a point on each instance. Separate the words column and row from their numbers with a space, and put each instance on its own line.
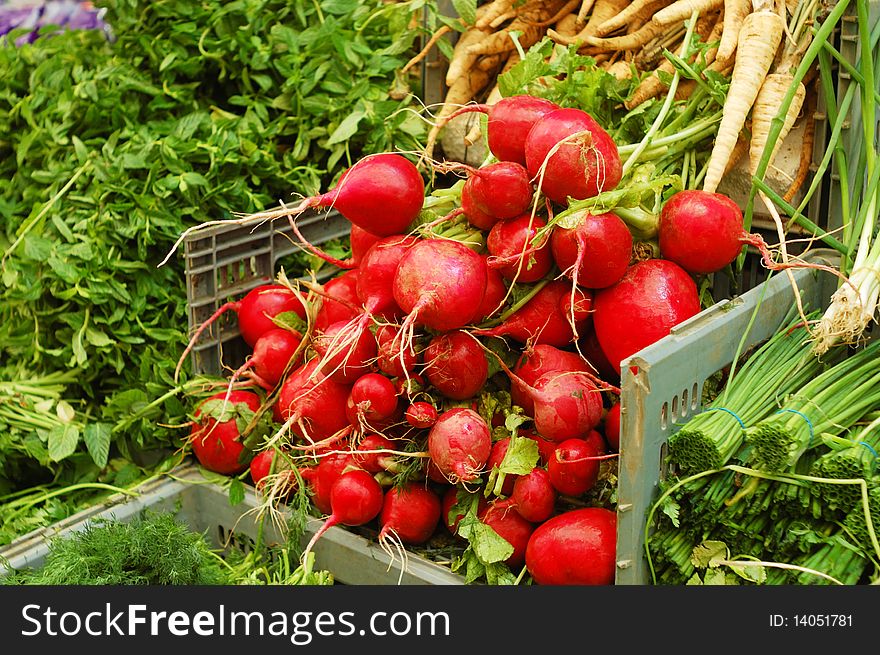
column 662, row 386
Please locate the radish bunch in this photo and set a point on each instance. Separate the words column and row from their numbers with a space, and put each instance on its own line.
column 459, row 382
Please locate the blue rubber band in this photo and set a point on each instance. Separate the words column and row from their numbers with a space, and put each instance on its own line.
column 724, row 409
column 868, row 446
column 803, row 416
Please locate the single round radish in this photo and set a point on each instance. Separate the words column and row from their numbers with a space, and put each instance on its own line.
column 360, row 241
column 355, row 498
column 342, row 360
column 592, row 351
column 421, row 414
column 313, row 404
column 327, row 471
column 612, row 426
column 534, row 495
column 260, row 469
column 375, row 285
column 261, row 465
column 540, row 320
column 501, row 516
column 433, row 473
column 459, row 444
column 586, row 164
column 373, row 398
column 509, row 122
column 429, row 275
column 496, row 456
column 410, row 514
column 567, row 404
column 450, row 500
column 509, row 244
column 381, row 193
column 273, row 352
column 455, row 365
column 395, row 358
column 501, row 189
column 701, row 231
column 652, row 297
column 596, row 252
column 493, row 298
column 571, row 468
column 340, row 301
column 545, row 446
column 216, row 443
column 474, row 215
column 366, row 454
column 577, row 547
column 537, row 360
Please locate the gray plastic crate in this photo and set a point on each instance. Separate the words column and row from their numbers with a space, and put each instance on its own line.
column 223, row 263
column 666, row 386
column 204, row 507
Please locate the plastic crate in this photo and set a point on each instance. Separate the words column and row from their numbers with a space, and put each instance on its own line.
column 205, row 508
column 223, row 263
column 662, row 386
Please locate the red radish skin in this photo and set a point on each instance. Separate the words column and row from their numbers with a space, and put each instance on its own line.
column 596, row 252
column 572, row 471
column 313, row 405
column 537, row 360
column 410, row 514
column 360, row 241
column 540, row 320
column 272, row 353
column 459, row 444
column 612, row 427
column 347, row 363
column 501, row 516
column 545, row 446
column 450, row 500
column 495, row 295
column 340, row 301
column 474, row 215
column 368, row 457
column 496, row 456
column 534, row 496
column 327, row 471
column 373, row 398
column 701, row 231
column 501, row 190
column 260, row 469
column 509, row 244
column 455, row 365
column 567, row 404
column 578, row 547
column 421, row 414
column 355, row 498
column 592, row 351
column 255, row 312
column 217, row 445
column 652, row 297
column 508, row 123
column 393, row 358
column 432, row 272
column 582, row 167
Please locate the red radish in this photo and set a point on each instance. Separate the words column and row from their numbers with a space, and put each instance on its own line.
column 313, row 405
column 421, row 414
column 261, row 468
column 273, row 352
column 255, row 312
column 509, row 244
column 567, row 404
column 393, row 358
column 702, row 231
column 429, row 275
column 340, row 301
column 612, row 426
column 455, row 365
column 596, row 252
column 433, row 473
column 577, row 305
column 537, row 360
column 347, row 363
column 327, row 471
column 496, row 293
column 593, row 353
column 459, row 444
column 572, row 471
column 366, row 454
column 534, row 496
column 586, row 164
column 450, row 500
column 474, row 215
column 545, row 446
column 496, row 456
column 652, row 297
column 355, row 498
column 501, row 516
column 410, row 514
column 501, row 190
column 360, row 241
column 577, row 547
column 373, row 398
column 215, row 438
column 539, row 320
column 509, row 122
